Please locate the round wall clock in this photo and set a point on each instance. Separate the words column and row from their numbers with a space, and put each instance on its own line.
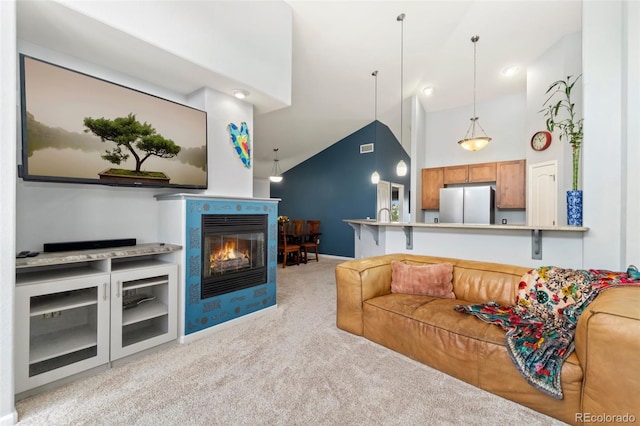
column 541, row 140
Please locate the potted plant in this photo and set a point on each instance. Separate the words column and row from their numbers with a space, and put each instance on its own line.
column 561, row 114
column 283, row 219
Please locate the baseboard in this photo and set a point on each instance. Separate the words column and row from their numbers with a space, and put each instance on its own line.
column 231, row 323
column 9, row 419
column 332, row 256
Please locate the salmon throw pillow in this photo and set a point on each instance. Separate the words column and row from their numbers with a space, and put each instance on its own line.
column 426, row 280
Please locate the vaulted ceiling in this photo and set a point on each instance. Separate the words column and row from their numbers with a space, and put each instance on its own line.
column 337, row 45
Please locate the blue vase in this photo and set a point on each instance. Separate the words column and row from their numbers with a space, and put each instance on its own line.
column 574, row 208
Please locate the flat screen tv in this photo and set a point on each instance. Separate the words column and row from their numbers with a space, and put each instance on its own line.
column 82, row 129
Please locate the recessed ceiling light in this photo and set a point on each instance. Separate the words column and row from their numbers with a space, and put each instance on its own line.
column 428, row 91
column 240, row 94
column 510, row 71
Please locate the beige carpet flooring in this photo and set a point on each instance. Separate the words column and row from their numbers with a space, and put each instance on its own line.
column 290, row 366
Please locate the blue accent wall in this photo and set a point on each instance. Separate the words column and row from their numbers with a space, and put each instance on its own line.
column 335, row 184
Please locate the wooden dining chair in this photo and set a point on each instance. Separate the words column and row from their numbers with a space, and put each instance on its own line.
column 286, row 248
column 296, row 231
column 312, row 239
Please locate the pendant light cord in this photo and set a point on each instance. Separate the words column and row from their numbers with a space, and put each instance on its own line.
column 401, row 19
column 276, row 163
column 474, row 39
column 375, row 125
column 375, row 94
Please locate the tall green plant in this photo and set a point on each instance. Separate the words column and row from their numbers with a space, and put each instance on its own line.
column 567, row 123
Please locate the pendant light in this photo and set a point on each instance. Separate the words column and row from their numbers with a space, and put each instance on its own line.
column 471, row 142
column 375, row 176
column 401, row 167
column 276, row 173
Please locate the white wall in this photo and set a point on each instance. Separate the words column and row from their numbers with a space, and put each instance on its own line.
column 225, row 32
column 560, row 60
column 500, row 246
column 227, row 175
column 631, row 132
column 261, row 188
column 417, row 155
column 605, row 146
column 8, row 415
column 502, row 118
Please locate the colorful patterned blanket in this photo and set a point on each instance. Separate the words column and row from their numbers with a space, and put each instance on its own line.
column 541, row 325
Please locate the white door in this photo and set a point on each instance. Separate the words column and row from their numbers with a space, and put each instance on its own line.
column 383, row 202
column 543, row 194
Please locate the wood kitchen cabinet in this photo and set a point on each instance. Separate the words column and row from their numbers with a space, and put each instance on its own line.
column 432, row 181
column 511, row 184
column 456, row 174
column 470, row 173
column 509, row 177
column 482, row 172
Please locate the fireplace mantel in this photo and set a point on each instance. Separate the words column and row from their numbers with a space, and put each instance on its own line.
column 187, row 196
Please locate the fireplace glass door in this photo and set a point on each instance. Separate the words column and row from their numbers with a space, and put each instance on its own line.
column 234, row 253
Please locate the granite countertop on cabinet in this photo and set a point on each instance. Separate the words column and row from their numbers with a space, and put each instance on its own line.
column 58, row 258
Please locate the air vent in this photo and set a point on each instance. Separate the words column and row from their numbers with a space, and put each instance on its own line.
column 366, row 148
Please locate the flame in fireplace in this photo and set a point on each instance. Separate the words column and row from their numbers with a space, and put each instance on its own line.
column 227, row 252
column 228, row 258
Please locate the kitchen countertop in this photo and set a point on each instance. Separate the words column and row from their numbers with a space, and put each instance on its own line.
column 373, row 222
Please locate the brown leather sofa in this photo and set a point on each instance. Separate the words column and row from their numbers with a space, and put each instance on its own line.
column 600, row 380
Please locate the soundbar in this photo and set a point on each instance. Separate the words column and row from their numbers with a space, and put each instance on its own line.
column 87, row 245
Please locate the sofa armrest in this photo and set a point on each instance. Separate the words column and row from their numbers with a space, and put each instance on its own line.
column 607, row 343
column 357, row 281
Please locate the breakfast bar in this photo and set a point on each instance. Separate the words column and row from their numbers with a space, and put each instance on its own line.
column 517, row 244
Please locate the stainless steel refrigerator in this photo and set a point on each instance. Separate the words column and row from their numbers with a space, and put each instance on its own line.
column 470, row 205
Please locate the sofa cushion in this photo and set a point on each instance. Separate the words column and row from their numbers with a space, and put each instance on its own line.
column 428, row 280
column 474, row 281
column 401, row 303
column 429, row 330
column 438, row 313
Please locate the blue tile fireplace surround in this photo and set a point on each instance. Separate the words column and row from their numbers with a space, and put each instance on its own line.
column 203, row 310
column 203, row 313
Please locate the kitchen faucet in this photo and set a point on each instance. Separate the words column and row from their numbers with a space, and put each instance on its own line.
column 380, row 211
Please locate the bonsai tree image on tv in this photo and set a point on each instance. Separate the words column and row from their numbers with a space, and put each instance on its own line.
column 131, row 136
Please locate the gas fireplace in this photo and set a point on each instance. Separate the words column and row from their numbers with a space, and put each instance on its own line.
column 228, row 265
column 234, row 252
